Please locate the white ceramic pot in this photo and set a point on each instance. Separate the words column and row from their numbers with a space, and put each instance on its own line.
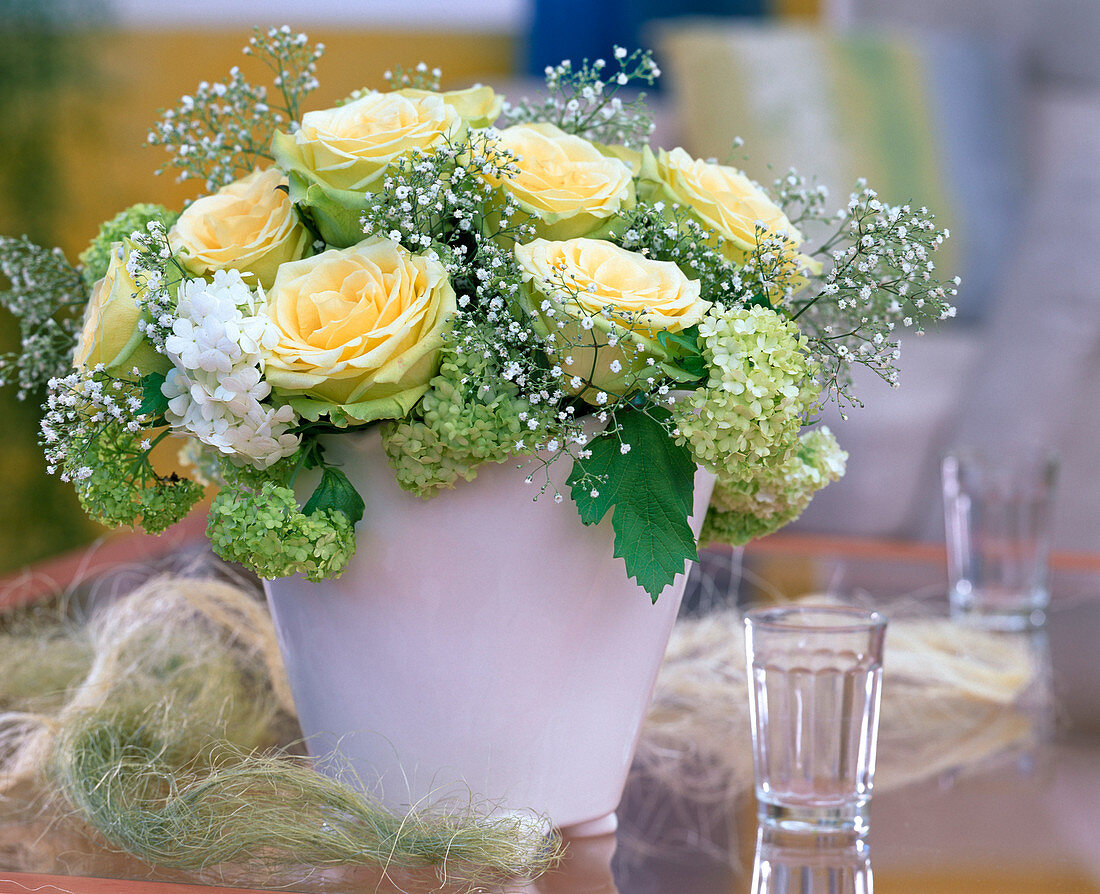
column 480, row 643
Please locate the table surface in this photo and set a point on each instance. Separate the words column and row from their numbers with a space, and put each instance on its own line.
column 1023, row 821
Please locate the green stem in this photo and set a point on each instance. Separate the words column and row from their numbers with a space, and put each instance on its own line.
column 302, row 455
column 164, row 434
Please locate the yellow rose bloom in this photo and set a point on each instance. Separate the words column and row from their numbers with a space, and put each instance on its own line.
column 340, row 154
column 570, row 187
column 722, row 197
column 350, row 146
column 110, row 334
column 478, row 106
column 361, row 330
column 248, row 225
column 614, row 304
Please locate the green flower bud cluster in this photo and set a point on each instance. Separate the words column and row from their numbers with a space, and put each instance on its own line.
column 265, row 530
column 741, row 509
column 97, row 256
column 471, row 414
column 761, row 387
column 116, row 485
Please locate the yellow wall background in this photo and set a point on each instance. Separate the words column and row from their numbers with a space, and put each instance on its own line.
column 102, row 123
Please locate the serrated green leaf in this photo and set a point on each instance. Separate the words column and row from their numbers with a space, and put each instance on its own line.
column 336, row 492
column 153, row 401
column 650, row 489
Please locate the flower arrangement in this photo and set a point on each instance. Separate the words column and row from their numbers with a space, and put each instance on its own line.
column 478, row 281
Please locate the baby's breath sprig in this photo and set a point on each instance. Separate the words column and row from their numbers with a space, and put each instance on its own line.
column 642, row 385
column 773, row 271
column 225, row 128
column 419, row 77
column 488, row 281
column 580, row 101
column 450, row 202
column 157, row 273
column 619, row 325
column 802, row 200
column 96, row 258
column 670, row 233
column 881, row 275
column 293, row 62
column 450, row 196
column 92, row 435
column 46, row 292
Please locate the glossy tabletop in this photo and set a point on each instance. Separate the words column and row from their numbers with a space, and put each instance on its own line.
column 1026, row 819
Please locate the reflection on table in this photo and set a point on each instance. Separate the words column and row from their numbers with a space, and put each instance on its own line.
column 800, row 864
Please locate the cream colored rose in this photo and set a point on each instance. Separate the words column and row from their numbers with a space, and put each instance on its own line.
column 360, row 330
column 350, row 146
column 723, row 197
column 110, row 334
column 570, row 187
column 478, row 106
column 248, row 225
column 614, row 304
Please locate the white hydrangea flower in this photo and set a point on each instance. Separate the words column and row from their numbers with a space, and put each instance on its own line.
column 217, row 389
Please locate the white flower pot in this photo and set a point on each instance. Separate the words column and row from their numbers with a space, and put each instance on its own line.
column 480, row 643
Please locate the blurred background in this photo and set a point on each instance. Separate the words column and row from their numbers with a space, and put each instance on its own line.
column 987, row 111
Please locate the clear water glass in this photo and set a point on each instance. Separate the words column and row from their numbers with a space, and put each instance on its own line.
column 997, row 525
column 817, row 865
column 815, row 677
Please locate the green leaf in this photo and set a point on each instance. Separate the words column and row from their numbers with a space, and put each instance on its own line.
column 680, row 344
column 153, row 401
column 649, row 488
column 336, row 492
column 680, row 375
column 686, row 363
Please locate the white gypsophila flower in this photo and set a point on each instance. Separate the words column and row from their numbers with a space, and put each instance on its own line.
column 217, row 389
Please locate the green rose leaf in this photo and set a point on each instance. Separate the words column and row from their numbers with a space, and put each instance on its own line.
column 335, row 492
column 650, row 488
column 684, row 343
column 687, row 363
column 153, row 401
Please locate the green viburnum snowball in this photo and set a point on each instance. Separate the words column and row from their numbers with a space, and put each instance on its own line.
column 741, row 509
column 470, row 416
column 761, row 386
column 264, row 529
column 97, row 256
column 111, row 497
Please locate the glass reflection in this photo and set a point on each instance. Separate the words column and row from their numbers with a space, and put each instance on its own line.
column 788, row 863
column 1037, row 700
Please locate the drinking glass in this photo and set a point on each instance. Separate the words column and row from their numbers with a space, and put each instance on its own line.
column 818, row 865
column 997, row 524
column 814, row 677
